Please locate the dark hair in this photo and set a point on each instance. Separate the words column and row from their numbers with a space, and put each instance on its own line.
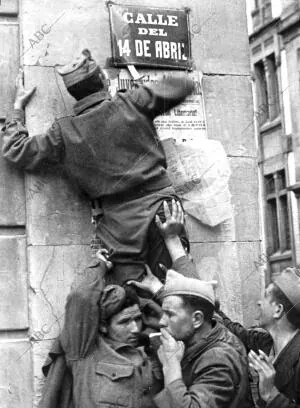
column 292, row 314
column 86, row 87
column 193, row 303
column 131, row 297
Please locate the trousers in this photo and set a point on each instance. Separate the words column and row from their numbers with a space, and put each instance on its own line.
column 128, row 230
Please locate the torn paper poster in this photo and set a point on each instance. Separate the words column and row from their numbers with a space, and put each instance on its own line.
column 200, row 175
column 186, row 122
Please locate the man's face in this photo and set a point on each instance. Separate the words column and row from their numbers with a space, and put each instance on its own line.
column 176, row 318
column 126, row 325
column 266, row 308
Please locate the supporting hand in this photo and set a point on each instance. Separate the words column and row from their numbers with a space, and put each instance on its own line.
column 103, row 255
column 150, row 282
column 174, row 221
column 22, row 96
column 266, row 372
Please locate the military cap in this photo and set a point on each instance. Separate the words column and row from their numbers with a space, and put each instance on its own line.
column 177, row 284
column 81, row 68
column 112, row 301
column 289, row 283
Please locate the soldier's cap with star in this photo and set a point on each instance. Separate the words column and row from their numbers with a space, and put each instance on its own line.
column 177, row 284
column 81, row 68
column 289, row 282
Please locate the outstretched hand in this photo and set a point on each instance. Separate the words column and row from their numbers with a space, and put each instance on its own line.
column 174, row 222
column 22, row 95
column 149, row 283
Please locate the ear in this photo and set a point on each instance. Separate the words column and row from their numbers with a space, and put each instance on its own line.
column 103, row 328
column 278, row 311
column 198, row 319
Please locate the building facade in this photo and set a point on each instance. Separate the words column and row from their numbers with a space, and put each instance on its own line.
column 275, row 55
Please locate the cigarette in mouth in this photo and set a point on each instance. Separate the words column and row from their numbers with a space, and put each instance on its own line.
column 158, row 334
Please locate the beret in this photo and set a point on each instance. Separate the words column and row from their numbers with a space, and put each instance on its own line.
column 81, row 68
column 112, row 301
column 177, row 284
column 289, row 282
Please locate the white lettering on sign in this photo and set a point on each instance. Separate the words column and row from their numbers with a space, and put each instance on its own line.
column 173, row 21
column 173, row 50
column 142, row 31
column 124, row 48
column 149, row 18
column 128, row 17
column 152, row 31
column 166, row 49
column 142, row 48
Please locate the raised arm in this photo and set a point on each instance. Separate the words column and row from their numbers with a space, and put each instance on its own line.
column 251, row 338
column 155, row 99
column 170, row 230
column 26, row 152
column 81, row 324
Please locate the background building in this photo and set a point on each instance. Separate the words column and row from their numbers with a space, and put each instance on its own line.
column 45, row 225
column 274, row 52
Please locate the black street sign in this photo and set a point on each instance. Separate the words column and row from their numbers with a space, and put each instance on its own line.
column 150, row 37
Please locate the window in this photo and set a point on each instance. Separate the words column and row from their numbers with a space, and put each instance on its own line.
column 266, row 11
column 267, row 90
column 262, row 113
column 261, row 12
column 277, row 211
column 273, row 87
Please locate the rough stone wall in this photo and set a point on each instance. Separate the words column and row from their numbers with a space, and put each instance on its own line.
column 44, row 224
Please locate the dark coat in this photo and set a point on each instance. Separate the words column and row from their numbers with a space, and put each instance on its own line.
column 214, row 371
column 107, row 378
column 78, row 337
column 287, row 364
column 57, row 390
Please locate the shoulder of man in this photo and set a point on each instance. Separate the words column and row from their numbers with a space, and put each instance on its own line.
column 221, row 361
column 230, row 340
column 226, row 350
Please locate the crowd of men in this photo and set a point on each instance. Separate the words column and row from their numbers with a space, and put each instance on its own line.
column 142, row 330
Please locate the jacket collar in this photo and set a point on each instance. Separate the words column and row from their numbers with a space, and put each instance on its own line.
column 90, row 100
column 108, row 354
column 117, row 345
column 200, row 342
